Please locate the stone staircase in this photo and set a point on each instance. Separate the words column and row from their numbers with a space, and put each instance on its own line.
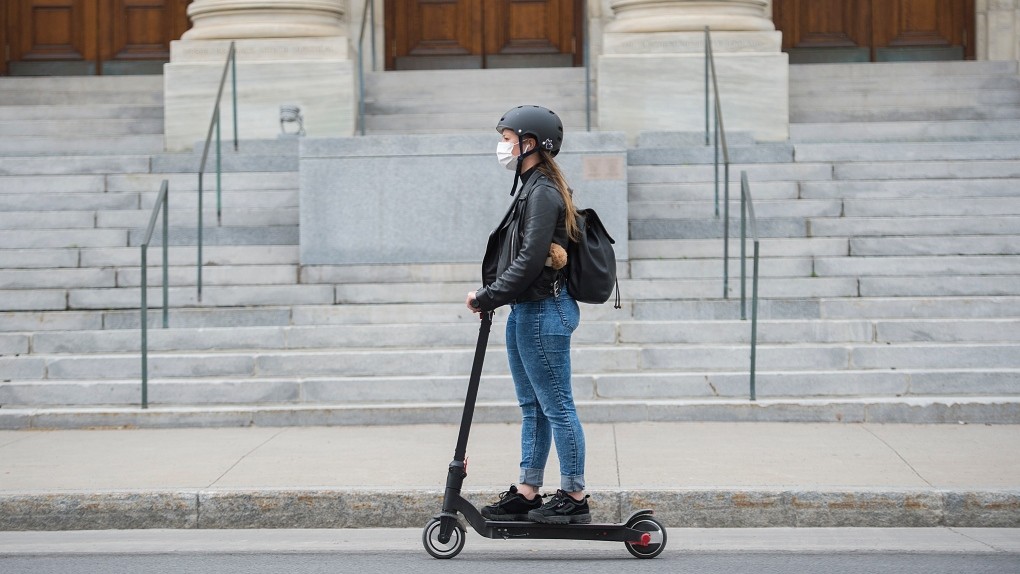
column 452, row 101
column 891, row 283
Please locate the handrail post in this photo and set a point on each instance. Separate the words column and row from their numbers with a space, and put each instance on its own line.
column 754, row 318
column 743, row 245
column 586, row 55
column 166, row 255
column 162, row 202
column 200, row 236
column 145, row 326
column 219, row 172
column 233, row 91
column 707, row 48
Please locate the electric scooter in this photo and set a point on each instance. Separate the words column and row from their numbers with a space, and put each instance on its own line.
column 444, row 537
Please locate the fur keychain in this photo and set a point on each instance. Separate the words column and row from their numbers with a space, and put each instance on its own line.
column 557, row 257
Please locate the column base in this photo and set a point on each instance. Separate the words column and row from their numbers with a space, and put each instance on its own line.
column 312, row 73
column 656, row 82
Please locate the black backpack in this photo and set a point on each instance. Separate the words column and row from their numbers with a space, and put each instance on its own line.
column 591, row 262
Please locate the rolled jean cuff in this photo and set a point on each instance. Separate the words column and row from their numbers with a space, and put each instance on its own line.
column 532, row 476
column 573, row 483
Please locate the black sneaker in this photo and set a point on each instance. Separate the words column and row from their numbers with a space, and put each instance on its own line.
column 562, row 509
column 511, row 506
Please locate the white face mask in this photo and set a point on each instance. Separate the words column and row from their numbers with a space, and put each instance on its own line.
column 505, row 155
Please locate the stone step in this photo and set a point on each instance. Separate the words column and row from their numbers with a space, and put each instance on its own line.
column 44, row 184
column 187, row 181
column 923, row 307
column 212, row 296
column 880, row 84
column 930, row 131
column 897, row 71
column 440, row 361
column 131, row 257
column 435, row 389
column 946, row 286
column 760, row 190
column 916, row 410
column 907, row 226
column 773, row 267
column 63, row 238
column 713, row 249
column 234, row 214
column 763, row 209
column 236, row 235
column 758, row 153
column 932, row 267
column 705, row 174
column 74, row 165
column 100, row 113
column 934, row 245
column 929, row 206
column 591, row 332
column 81, row 145
column 862, row 96
column 86, row 201
column 179, row 199
column 909, row 189
column 229, row 163
column 919, row 170
column 74, row 127
column 708, row 227
column 457, row 122
column 906, row 151
column 908, row 112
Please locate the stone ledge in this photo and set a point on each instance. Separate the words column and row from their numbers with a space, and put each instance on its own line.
column 395, row 508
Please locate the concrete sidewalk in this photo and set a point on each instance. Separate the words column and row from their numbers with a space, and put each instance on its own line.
column 692, row 474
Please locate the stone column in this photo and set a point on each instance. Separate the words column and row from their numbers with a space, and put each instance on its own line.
column 998, row 29
column 652, row 69
column 289, row 52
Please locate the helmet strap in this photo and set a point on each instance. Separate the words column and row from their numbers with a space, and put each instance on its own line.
column 520, row 164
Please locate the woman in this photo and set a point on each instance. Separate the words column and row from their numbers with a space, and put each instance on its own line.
column 518, row 270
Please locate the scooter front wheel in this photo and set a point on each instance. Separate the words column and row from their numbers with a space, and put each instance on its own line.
column 430, row 539
column 656, row 537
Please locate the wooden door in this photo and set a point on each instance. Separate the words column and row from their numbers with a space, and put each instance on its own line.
column 482, row 33
column 83, row 37
column 875, row 30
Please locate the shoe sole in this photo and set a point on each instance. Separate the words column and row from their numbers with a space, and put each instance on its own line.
column 575, row 519
column 506, row 517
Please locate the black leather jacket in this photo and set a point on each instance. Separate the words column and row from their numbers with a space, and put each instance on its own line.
column 514, row 268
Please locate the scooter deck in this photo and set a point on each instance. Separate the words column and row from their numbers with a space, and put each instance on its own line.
column 609, row 532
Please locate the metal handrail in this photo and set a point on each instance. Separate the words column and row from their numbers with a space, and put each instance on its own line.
column 214, row 124
column 747, row 215
column 719, row 138
column 369, row 11
column 746, row 207
column 162, row 204
column 587, row 67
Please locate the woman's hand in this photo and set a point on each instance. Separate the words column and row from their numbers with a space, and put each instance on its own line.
column 472, row 303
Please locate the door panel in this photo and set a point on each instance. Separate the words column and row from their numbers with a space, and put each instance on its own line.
column 481, row 33
column 825, row 30
column 58, row 37
column 53, row 36
column 875, row 30
column 433, row 33
column 529, row 32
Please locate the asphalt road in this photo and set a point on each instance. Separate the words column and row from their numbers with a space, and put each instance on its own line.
column 702, row 551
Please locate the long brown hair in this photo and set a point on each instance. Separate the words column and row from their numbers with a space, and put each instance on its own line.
column 549, row 167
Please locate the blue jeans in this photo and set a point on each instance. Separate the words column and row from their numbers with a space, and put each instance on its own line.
column 538, row 347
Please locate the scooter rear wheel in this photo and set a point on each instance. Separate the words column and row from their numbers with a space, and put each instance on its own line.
column 657, row 534
column 430, row 539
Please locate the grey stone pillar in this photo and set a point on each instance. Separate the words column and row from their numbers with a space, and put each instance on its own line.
column 651, row 71
column 289, row 52
column 998, row 29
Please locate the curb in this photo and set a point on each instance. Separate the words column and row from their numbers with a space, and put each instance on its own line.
column 919, row 410
column 325, row 508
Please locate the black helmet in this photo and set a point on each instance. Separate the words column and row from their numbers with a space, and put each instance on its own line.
column 535, row 121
